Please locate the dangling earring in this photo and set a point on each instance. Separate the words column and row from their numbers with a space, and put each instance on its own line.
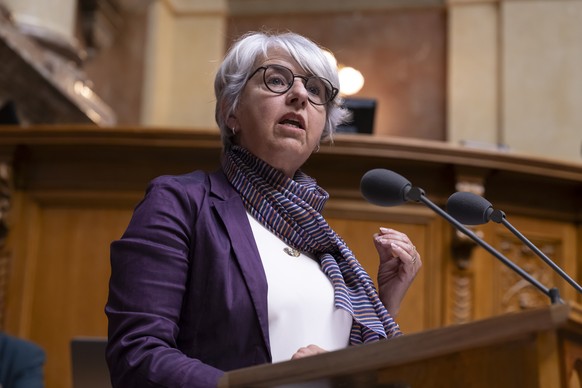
column 233, row 129
column 316, row 149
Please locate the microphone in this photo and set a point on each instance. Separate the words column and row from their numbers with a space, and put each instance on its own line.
column 472, row 209
column 386, row 188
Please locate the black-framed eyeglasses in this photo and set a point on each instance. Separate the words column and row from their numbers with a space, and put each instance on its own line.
column 279, row 79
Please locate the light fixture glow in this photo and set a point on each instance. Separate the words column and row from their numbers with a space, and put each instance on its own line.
column 351, row 81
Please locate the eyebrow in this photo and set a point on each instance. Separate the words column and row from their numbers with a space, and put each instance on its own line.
column 307, row 73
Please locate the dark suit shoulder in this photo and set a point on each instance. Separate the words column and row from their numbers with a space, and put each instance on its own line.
column 18, row 348
column 21, row 362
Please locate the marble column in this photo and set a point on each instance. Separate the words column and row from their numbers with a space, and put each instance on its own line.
column 185, row 44
column 473, row 109
column 514, row 76
column 542, row 84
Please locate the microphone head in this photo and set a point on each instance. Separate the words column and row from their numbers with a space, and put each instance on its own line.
column 469, row 208
column 384, row 187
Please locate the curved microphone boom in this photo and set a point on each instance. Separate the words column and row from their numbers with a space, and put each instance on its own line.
column 472, row 209
column 386, row 188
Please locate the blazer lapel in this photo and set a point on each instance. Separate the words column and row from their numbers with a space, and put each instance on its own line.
column 232, row 212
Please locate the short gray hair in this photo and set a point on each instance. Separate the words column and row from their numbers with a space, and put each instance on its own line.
column 240, row 61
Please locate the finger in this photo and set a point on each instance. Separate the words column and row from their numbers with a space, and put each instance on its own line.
column 394, row 234
column 407, row 255
column 382, row 241
column 405, row 246
column 389, row 231
column 309, row 350
column 399, row 238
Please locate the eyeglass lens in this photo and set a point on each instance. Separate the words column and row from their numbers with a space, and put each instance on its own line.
column 279, row 79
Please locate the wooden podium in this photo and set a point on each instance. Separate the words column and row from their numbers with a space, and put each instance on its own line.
column 534, row 348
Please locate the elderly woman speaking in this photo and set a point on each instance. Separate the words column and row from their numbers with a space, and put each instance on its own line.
column 237, row 267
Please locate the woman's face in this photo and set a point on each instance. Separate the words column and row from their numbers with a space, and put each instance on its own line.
column 281, row 129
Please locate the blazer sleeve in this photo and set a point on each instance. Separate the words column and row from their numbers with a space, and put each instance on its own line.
column 149, row 277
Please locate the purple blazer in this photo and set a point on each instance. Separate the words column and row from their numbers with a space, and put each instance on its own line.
column 188, row 293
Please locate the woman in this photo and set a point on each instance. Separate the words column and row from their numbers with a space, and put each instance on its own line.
column 223, row 270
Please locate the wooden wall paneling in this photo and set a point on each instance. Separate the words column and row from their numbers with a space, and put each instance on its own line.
column 548, row 353
column 485, row 270
column 434, row 271
column 71, row 294
column 65, row 274
column 23, row 240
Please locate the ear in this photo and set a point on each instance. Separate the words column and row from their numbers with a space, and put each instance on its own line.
column 232, row 122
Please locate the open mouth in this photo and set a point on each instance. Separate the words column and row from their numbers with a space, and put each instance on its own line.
column 293, row 121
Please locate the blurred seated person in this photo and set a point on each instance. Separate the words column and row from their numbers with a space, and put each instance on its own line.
column 21, row 363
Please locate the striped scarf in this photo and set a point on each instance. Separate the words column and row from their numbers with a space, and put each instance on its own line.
column 291, row 209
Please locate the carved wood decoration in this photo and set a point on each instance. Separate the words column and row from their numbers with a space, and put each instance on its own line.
column 461, row 298
column 462, row 295
column 518, row 294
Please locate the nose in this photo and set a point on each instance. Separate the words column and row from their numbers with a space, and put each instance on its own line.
column 298, row 93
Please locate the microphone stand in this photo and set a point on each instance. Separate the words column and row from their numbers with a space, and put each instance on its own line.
column 417, row 194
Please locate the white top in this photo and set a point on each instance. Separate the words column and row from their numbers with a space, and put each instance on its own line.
column 300, row 300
